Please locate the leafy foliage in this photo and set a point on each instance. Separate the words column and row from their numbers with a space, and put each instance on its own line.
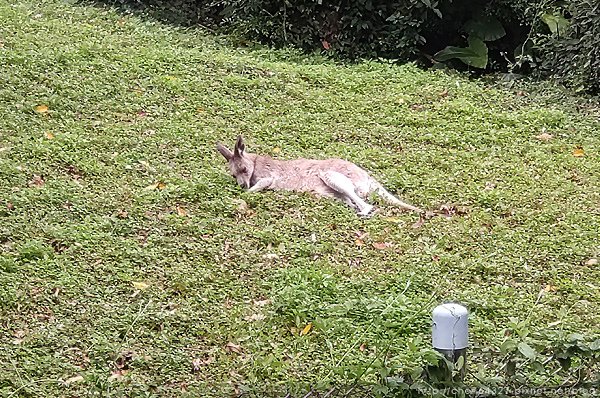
column 570, row 51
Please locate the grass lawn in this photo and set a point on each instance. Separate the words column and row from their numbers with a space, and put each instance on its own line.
column 132, row 265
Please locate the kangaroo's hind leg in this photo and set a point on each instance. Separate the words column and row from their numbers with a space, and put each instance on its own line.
column 346, row 188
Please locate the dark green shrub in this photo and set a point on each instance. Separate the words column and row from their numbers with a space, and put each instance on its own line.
column 570, row 50
column 356, row 28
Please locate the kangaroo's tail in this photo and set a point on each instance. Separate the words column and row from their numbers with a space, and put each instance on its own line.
column 388, row 197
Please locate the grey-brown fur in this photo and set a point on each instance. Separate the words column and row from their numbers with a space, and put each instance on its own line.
column 336, row 178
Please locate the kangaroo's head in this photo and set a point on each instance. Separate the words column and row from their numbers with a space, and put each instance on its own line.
column 241, row 166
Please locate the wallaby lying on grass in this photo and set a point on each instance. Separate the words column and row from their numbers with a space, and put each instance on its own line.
column 331, row 177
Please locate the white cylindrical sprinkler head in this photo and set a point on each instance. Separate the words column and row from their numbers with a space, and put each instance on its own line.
column 450, row 327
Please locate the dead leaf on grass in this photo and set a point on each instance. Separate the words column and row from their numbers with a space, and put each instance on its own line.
column 10, row 206
column 550, row 288
column 37, row 181
column 140, row 285
column 451, row 210
column 232, row 347
column 382, row 245
column 592, row 261
column 181, row 211
column 41, row 109
column 49, row 135
column 18, row 337
column 118, row 375
column 360, row 237
column 306, row 329
column 544, row 137
column 158, row 185
column 419, row 223
column 579, row 152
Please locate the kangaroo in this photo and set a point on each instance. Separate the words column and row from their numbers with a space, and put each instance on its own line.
column 335, row 178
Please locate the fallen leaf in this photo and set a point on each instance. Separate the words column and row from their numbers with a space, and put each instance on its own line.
column 41, row 109
column 10, row 206
column 49, row 135
column 359, row 242
column 74, row 379
column 140, row 285
column 122, row 213
column 157, row 185
column 362, row 347
column 306, row 329
column 578, row 152
column 181, row 211
column 37, row 181
column 591, row 261
column 276, row 149
column 444, row 94
column 117, row 375
column 550, row 288
column 544, row 137
column 232, row 347
column 325, row 44
column 361, row 235
column 419, row 223
column 382, row 245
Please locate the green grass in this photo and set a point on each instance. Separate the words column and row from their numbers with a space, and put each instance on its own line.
column 132, row 102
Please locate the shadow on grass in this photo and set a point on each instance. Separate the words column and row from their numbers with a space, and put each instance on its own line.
column 182, row 13
column 206, row 16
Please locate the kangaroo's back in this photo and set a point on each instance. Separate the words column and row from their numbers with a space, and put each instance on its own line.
column 304, row 174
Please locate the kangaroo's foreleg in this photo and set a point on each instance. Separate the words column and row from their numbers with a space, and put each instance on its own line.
column 388, row 197
column 344, row 186
column 260, row 185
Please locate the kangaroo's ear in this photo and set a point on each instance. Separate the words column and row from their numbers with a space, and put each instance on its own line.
column 224, row 151
column 239, row 147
